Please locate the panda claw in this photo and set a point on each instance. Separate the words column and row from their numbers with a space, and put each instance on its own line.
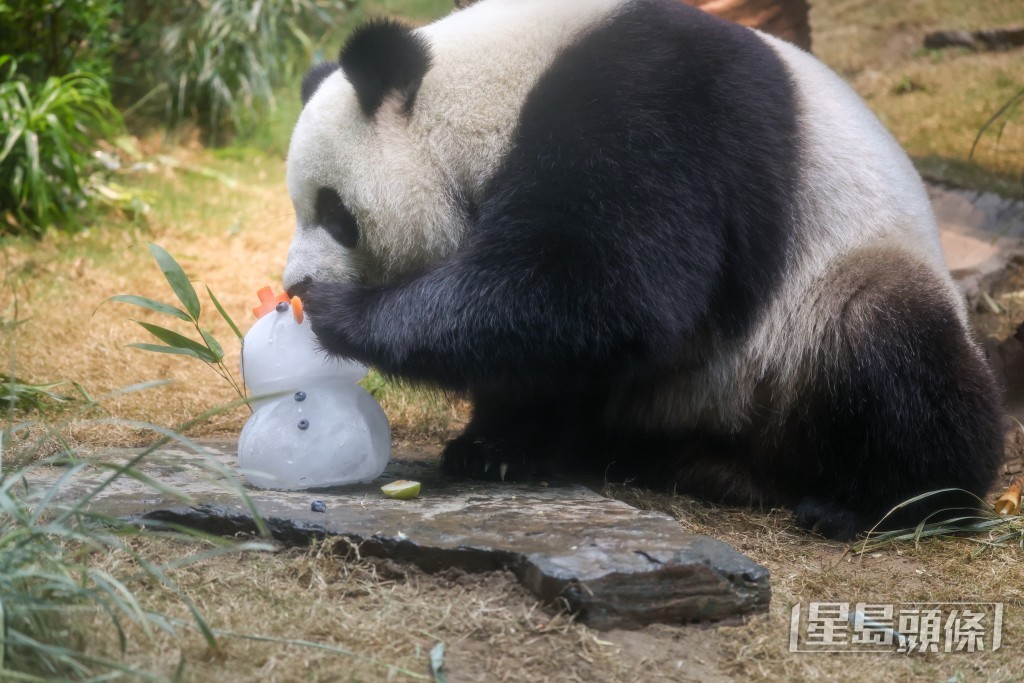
column 484, row 460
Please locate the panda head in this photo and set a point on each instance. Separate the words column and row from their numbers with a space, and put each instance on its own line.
column 372, row 200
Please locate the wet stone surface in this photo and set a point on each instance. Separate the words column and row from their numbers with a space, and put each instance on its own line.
column 615, row 565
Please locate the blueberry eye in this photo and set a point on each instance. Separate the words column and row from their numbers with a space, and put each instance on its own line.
column 337, row 220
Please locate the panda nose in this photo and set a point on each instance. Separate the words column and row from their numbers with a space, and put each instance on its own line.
column 299, row 288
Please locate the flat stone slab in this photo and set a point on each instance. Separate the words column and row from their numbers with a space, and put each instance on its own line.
column 612, row 564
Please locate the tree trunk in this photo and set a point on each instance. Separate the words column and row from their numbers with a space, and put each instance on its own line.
column 787, row 19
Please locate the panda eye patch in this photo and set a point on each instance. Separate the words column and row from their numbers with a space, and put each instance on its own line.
column 337, row 220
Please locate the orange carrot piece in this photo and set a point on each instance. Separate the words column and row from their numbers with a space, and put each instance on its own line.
column 268, row 301
column 297, row 309
column 1009, row 502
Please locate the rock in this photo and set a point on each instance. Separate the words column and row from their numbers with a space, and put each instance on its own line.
column 612, row 564
column 991, row 39
column 939, row 40
column 982, row 236
column 980, row 232
column 613, row 586
column 1007, row 358
column 1001, row 38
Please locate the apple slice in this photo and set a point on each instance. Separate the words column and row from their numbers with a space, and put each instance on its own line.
column 403, row 489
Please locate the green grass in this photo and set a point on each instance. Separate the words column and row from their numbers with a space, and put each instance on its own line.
column 218, row 63
column 417, row 11
column 878, row 47
column 211, row 190
column 195, row 197
column 47, row 131
column 983, row 525
column 272, row 133
column 22, row 395
column 50, row 585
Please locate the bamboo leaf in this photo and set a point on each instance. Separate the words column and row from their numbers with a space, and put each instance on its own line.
column 159, row 348
column 224, row 314
column 177, row 279
column 212, row 344
column 151, row 305
column 172, row 338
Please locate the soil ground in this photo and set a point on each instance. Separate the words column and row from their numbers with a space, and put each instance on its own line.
column 226, row 217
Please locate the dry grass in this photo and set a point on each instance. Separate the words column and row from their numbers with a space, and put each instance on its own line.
column 386, row 616
column 234, row 236
column 493, row 629
column 234, row 239
column 935, row 102
column 806, row 568
column 222, row 235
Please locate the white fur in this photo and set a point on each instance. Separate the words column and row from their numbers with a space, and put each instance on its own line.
column 858, row 189
column 397, row 174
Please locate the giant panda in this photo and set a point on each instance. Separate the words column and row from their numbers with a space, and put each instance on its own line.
column 648, row 243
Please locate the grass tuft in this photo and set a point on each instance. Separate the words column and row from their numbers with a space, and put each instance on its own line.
column 50, row 584
column 22, row 395
column 47, row 131
column 982, row 524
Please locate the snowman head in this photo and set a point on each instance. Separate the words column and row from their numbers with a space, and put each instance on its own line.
column 280, row 353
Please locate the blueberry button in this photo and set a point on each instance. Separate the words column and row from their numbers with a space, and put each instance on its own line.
column 318, row 506
column 300, row 396
column 303, row 423
column 282, row 307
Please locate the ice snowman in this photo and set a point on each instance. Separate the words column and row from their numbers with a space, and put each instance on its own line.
column 314, row 426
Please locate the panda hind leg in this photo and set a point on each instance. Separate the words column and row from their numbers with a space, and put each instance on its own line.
column 901, row 404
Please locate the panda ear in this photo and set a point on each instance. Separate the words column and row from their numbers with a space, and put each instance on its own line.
column 315, row 77
column 381, row 57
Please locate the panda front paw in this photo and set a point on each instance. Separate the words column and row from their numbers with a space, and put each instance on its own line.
column 334, row 311
column 486, row 460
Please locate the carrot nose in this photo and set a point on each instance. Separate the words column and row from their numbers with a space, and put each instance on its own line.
column 268, row 301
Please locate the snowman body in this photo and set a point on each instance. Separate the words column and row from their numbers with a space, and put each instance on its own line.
column 312, row 426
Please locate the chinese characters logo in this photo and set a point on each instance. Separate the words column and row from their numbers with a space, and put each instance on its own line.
column 901, row 627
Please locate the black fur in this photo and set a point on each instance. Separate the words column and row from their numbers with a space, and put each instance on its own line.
column 334, row 217
column 381, row 57
column 901, row 405
column 898, row 404
column 314, row 78
column 639, row 223
column 611, row 243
